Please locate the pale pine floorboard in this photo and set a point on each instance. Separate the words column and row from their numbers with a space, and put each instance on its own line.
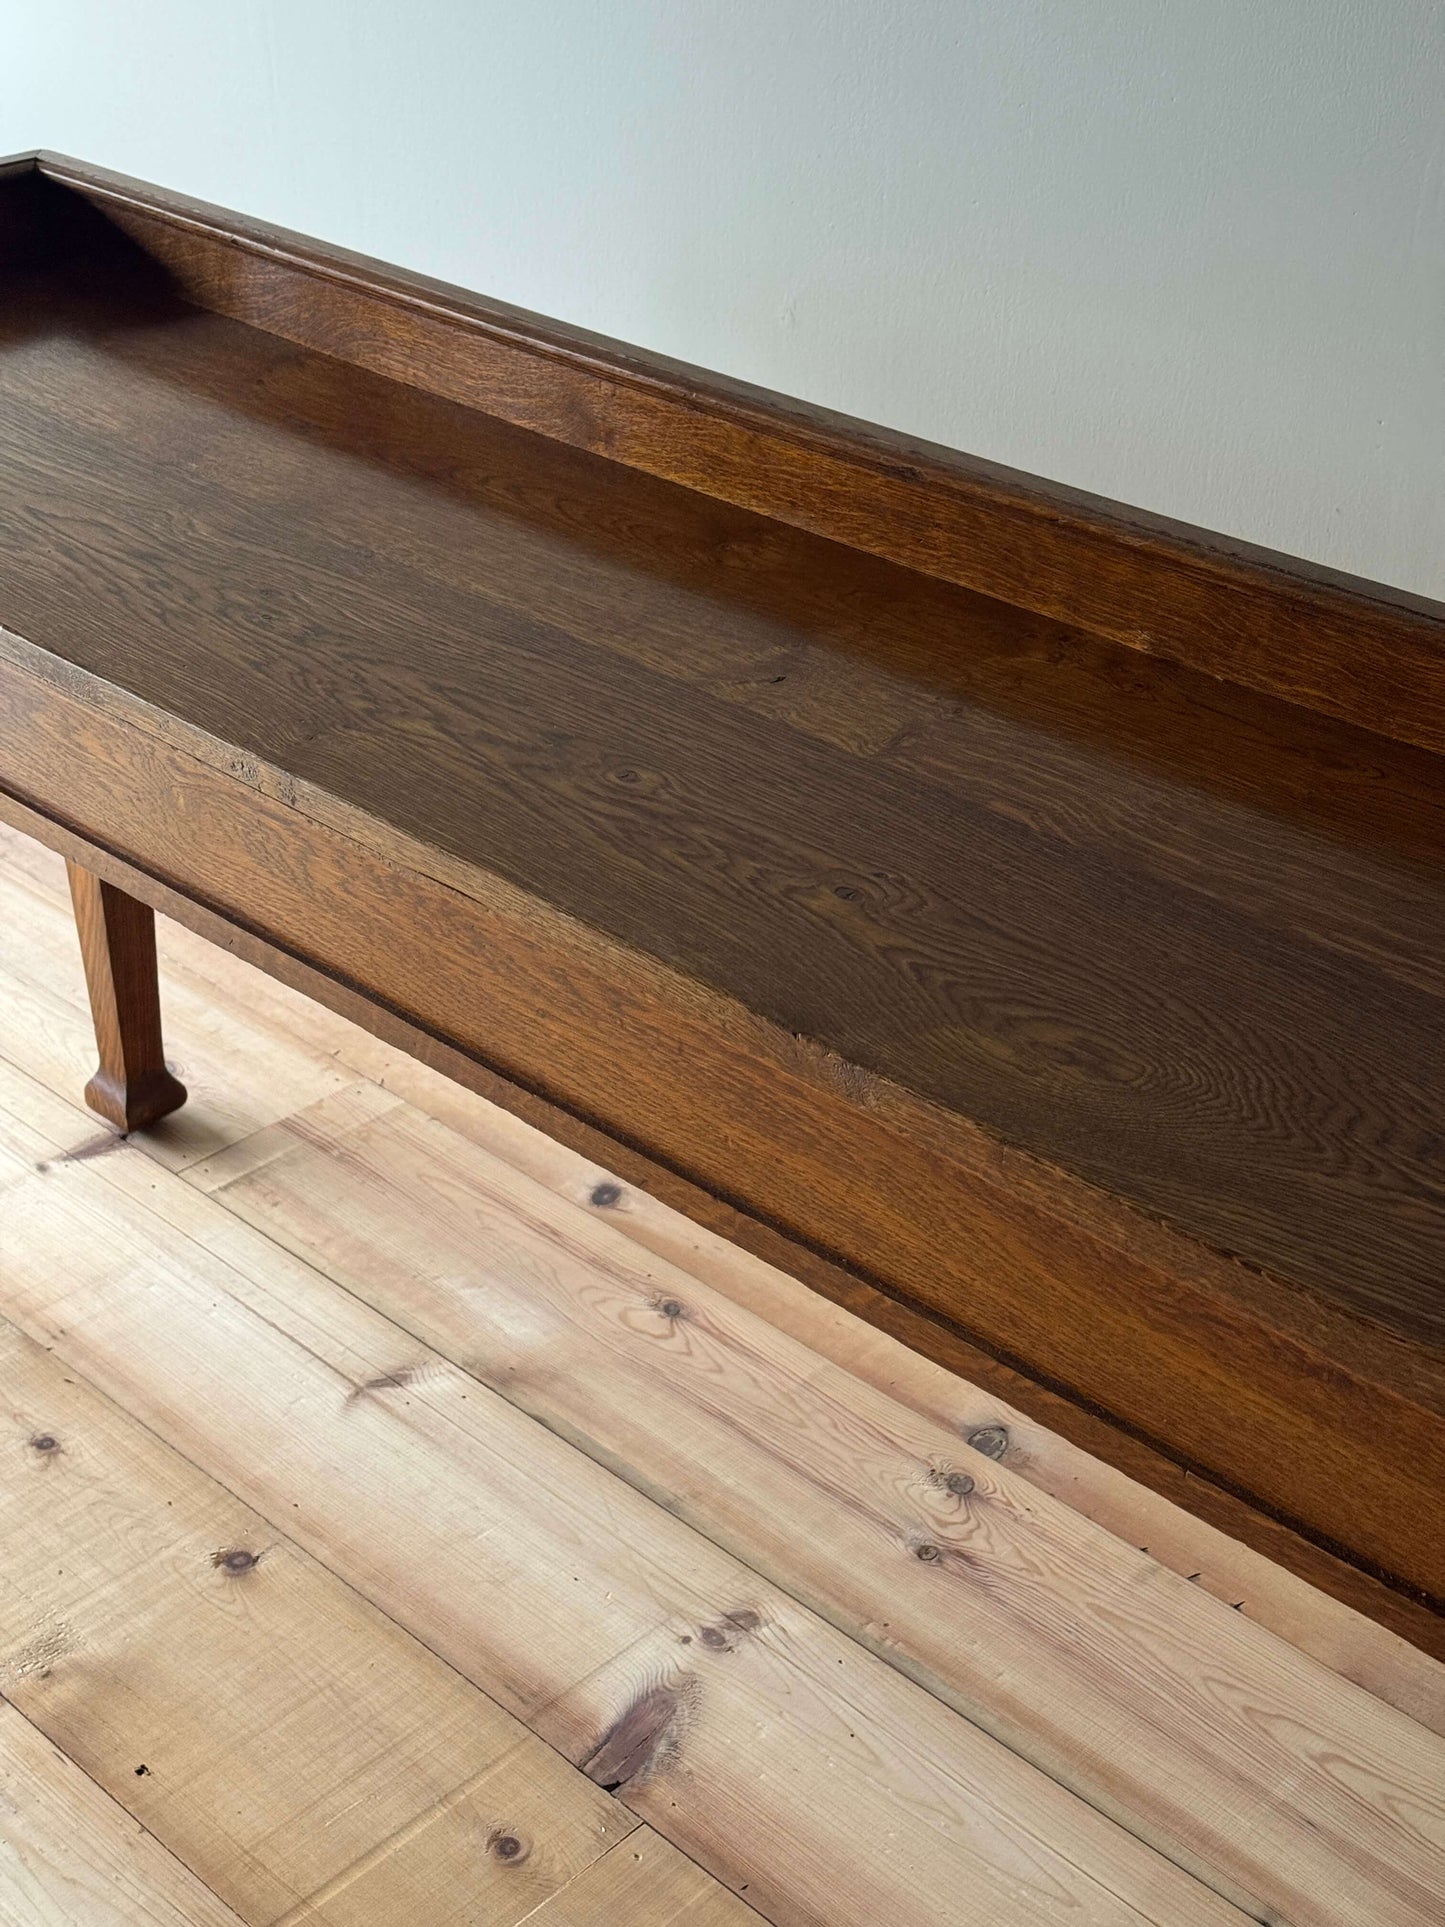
column 453, row 1533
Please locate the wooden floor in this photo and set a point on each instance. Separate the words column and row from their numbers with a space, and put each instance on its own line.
column 402, row 1520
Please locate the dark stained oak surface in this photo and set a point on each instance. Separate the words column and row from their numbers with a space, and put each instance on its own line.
column 1357, row 650
column 1183, row 941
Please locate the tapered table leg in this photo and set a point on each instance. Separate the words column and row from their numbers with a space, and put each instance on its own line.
column 132, row 1087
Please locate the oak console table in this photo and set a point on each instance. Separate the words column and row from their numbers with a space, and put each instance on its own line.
column 1031, row 905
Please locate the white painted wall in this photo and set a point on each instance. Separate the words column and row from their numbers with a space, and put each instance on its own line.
column 1190, row 253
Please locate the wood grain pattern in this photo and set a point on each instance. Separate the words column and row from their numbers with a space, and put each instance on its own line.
column 935, row 1374
column 133, row 1087
column 263, row 1043
column 538, row 1249
column 1006, row 1605
column 71, row 1857
column 751, row 615
column 923, row 929
column 646, row 1883
column 474, row 1526
column 1347, row 647
column 1282, row 1396
column 288, row 1744
column 968, row 924
column 697, row 1698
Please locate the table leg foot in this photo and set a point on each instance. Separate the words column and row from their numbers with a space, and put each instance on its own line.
column 132, row 1087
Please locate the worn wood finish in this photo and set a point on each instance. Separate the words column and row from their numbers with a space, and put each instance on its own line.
column 257, row 1051
column 938, row 1559
column 133, row 1087
column 700, row 1402
column 645, row 1883
column 1019, row 971
column 281, row 1738
column 554, row 1585
column 1332, row 642
column 703, row 1402
column 71, row 1857
column 1284, row 1396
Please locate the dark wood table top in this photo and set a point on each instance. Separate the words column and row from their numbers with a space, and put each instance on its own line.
column 1176, row 938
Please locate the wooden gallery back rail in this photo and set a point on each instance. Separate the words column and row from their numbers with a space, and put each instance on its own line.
column 1034, row 907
